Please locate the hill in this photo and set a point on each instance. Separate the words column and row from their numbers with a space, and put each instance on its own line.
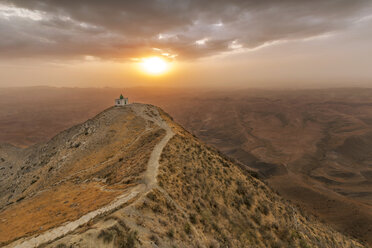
column 132, row 177
column 312, row 146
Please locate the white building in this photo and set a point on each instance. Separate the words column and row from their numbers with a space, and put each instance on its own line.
column 121, row 101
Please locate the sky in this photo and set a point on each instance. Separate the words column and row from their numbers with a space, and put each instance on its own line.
column 236, row 43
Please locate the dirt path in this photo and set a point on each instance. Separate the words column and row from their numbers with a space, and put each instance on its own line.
column 148, row 184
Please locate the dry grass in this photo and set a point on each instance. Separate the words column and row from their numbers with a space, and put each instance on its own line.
column 52, row 208
column 230, row 207
column 105, row 165
column 204, row 200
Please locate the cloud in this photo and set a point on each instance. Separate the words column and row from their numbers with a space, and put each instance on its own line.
column 116, row 29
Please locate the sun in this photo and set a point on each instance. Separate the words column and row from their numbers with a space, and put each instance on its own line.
column 154, row 65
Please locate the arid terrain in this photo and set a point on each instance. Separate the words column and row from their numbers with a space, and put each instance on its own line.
column 131, row 177
column 312, row 146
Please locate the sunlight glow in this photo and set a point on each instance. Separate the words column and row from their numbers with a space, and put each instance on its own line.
column 154, row 65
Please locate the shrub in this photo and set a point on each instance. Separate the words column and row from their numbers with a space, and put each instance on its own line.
column 303, row 244
column 284, row 234
column 155, row 239
column 152, row 196
column 247, row 200
column 187, row 229
column 170, row 233
column 264, row 208
column 128, row 241
column 276, row 244
column 106, row 236
column 257, row 218
column 192, row 218
column 241, row 189
column 156, row 208
column 216, row 228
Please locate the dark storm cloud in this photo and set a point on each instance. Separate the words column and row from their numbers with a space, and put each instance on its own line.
column 125, row 29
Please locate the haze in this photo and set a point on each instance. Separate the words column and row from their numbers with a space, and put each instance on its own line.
column 302, row 44
column 186, row 123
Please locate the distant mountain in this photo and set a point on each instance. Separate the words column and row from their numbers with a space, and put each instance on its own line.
column 132, row 177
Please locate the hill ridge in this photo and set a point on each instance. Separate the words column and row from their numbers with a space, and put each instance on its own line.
column 131, row 176
column 149, row 183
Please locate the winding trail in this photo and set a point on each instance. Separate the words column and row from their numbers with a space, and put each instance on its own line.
column 149, row 182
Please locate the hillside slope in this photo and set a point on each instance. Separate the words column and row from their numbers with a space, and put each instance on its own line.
column 132, row 177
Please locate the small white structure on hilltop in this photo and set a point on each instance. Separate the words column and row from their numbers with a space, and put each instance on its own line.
column 121, row 101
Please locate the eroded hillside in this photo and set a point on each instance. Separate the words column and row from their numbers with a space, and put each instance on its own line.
column 131, row 177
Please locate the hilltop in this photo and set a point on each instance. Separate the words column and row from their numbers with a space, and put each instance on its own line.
column 131, row 177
